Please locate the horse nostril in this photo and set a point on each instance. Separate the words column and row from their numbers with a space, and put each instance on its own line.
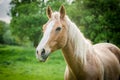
column 37, row 51
column 43, row 51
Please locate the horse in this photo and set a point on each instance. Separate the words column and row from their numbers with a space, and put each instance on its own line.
column 84, row 61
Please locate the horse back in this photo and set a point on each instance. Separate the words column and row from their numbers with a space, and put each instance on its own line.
column 114, row 49
column 109, row 55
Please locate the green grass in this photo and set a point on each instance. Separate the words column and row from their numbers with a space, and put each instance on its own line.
column 20, row 63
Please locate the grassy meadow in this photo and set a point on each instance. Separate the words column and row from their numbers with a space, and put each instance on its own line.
column 20, row 63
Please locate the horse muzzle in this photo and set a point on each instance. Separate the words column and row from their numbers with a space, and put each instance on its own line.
column 42, row 55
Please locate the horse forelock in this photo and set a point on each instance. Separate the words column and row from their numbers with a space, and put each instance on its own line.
column 56, row 15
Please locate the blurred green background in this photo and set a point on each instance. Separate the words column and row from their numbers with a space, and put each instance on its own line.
column 19, row 63
column 99, row 20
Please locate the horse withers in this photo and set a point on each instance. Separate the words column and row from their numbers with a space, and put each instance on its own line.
column 84, row 60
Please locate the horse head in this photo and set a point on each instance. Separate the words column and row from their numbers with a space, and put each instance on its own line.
column 54, row 34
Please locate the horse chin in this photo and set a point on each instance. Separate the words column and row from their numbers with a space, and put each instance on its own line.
column 43, row 58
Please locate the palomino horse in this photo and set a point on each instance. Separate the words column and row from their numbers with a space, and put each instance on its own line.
column 84, row 60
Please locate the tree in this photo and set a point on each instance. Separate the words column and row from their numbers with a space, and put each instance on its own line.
column 5, row 34
column 2, row 31
column 26, row 21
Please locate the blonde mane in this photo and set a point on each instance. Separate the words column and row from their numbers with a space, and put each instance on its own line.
column 81, row 44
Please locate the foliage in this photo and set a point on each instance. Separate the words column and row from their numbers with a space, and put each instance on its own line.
column 100, row 18
column 19, row 63
column 56, row 4
column 25, row 23
column 2, row 31
column 5, row 34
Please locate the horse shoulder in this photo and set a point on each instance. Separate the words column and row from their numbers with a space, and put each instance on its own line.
column 69, row 74
column 93, row 66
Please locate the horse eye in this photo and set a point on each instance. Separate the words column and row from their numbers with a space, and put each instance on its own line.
column 58, row 29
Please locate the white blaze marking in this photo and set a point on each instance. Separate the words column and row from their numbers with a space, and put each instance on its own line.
column 46, row 35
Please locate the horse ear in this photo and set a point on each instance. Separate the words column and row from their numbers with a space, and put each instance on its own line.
column 62, row 12
column 49, row 12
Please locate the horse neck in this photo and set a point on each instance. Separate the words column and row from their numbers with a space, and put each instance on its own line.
column 78, row 42
column 76, row 47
